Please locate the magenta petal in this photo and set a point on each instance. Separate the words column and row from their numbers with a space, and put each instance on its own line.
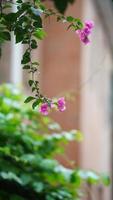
column 86, row 41
column 62, row 109
column 87, row 31
column 89, row 24
column 44, row 109
column 61, row 104
column 78, row 31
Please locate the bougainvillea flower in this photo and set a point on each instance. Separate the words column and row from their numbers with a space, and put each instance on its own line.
column 61, row 104
column 89, row 24
column 44, row 109
column 84, row 37
column 85, row 32
column 57, row 104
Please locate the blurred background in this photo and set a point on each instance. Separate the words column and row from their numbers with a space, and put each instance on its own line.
column 83, row 72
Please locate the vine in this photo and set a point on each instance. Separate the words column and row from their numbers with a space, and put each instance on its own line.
column 27, row 25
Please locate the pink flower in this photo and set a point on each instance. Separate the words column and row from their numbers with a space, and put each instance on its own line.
column 61, row 104
column 44, row 109
column 89, row 24
column 83, row 36
column 78, row 32
column 85, row 32
column 86, row 40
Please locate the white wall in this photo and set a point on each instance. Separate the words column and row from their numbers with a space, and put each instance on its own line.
column 95, row 97
column 10, row 61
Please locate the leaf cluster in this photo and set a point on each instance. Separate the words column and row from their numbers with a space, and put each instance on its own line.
column 62, row 5
column 28, row 144
column 26, row 23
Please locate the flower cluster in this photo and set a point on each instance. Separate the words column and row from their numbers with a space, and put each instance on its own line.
column 85, row 32
column 59, row 104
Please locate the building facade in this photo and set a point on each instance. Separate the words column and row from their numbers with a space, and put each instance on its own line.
column 86, row 73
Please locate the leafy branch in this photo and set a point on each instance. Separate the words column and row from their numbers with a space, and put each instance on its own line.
column 27, row 25
column 28, row 169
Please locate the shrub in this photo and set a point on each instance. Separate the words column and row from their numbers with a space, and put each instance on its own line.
column 28, row 144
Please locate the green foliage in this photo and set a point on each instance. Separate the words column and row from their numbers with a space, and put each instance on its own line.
column 40, row 34
column 62, row 5
column 26, row 23
column 28, row 144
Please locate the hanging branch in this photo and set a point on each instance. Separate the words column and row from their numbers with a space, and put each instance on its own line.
column 27, row 25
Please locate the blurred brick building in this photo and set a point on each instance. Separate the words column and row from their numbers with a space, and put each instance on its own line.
column 86, row 72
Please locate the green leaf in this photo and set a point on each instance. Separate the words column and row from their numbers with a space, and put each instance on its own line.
column 38, row 186
column 33, row 89
column 26, row 58
column 78, row 24
column 78, row 135
column 5, row 35
column 26, row 178
column 28, row 99
column 105, row 179
column 10, row 18
column 19, row 37
column 10, row 176
column 92, row 177
column 49, row 197
column 70, row 19
column 40, row 34
column 76, row 179
column 19, row 1
column 33, row 44
column 31, row 82
column 36, row 103
column 62, row 5
column 26, row 67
